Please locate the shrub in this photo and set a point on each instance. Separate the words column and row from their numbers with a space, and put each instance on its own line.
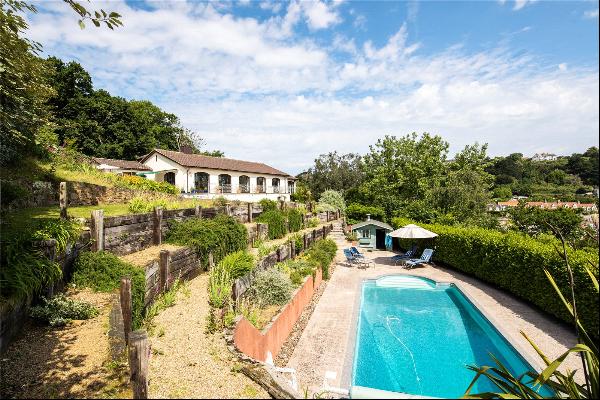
column 60, row 310
column 220, row 201
column 221, row 235
column 322, row 254
column 25, row 268
column 515, row 262
column 268, row 205
column 271, row 287
column 351, row 236
column 139, row 183
column 294, row 220
column 313, row 222
column 276, row 222
column 238, row 263
column 12, row 191
column 297, row 269
column 102, row 272
column 333, row 198
column 143, row 205
column 219, row 286
column 298, row 241
column 357, row 213
column 265, row 249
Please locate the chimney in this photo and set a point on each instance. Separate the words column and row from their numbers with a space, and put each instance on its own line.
column 368, row 217
column 187, row 149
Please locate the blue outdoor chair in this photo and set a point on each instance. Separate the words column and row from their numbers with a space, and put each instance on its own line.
column 406, row 256
column 355, row 252
column 357, row 260
column 415, row 262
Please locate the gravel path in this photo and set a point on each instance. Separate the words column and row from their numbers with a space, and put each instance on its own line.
column 188, row 363
column 68, row 362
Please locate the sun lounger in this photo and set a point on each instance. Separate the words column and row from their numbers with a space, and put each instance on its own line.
column 415, row 262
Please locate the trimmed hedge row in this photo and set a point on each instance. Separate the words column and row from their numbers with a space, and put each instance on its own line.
column 276, row 222
column 515, row 262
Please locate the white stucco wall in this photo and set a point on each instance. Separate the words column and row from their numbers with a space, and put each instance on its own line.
column 184, row 180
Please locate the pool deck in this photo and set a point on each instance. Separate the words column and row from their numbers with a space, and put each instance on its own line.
column 327, row 343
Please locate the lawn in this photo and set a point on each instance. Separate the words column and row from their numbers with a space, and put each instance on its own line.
column 20, row 219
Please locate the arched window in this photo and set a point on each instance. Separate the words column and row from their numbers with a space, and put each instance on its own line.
column 261, row 185
column 225, row 183
column 275, row 183
column 170, row 178
column 244, row 182
column 201, row 182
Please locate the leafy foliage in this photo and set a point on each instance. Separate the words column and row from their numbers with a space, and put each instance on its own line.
column 220, row 236
column 516, row 262
column 102, row 272
column 238, row 263
column 268, row 205
column 60, row 310
column 340, row 172
column 357, row 212
column 24, row 89
column 334, row 199
column 294, row 217
column 25, row 268
column 271, row 287
column 533, row 221
column 298, row 268
column 322, row 254
column 276, row 221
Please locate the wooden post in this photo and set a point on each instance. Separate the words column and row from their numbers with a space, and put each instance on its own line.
column 97, row 230
column 305, row 242
column 63, row 200
column 198, row 211
column 292, row 249
column 303, row 218
column 50, row 252
column 250, row 209
column 163, row 267
column 139, row 352
column 278, row 252
column 157, row 234
column 314, row 236
column 125, row 297
column 227, row 209
column 211, row 261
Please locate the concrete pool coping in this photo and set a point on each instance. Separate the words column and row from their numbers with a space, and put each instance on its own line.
column 319, row 350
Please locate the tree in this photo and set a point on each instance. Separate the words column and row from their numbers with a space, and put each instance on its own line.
column 111, row 20
column 465, row 190
column 334, row 171
column 400, row 170
column 23, row 90
column 534, row 220
column 334, row 199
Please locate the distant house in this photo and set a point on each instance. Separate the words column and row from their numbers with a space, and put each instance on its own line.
column 209, row 177
column 123, row 167
column 575, row 205
column 371, row 233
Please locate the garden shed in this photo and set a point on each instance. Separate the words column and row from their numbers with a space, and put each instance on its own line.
column 371, row 233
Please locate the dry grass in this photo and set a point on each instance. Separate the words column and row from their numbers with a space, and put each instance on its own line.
column 188, row 363
column 143, row 257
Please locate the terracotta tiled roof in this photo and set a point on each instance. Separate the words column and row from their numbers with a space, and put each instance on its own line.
column 221, row 163
column 123, row 164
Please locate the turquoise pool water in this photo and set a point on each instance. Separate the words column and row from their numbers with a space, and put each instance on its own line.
column 417, row 337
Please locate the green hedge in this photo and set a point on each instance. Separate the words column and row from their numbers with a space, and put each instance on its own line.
column 276, row 221
column 102, row 272
column 221, row 235
column 515, row 262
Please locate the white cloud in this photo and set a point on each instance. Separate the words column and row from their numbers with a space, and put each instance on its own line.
column 257, row 91
column 519, row 4
column 590, row 14
column 319, row 15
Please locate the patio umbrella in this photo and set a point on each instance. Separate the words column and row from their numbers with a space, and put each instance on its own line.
column 412, row 231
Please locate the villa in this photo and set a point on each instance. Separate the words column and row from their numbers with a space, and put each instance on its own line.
column 208, row 177
column 575, row 205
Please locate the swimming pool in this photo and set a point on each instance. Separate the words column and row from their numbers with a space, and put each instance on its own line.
column 417, row 337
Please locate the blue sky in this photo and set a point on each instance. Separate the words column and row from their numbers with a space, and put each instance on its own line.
column 281, row 82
